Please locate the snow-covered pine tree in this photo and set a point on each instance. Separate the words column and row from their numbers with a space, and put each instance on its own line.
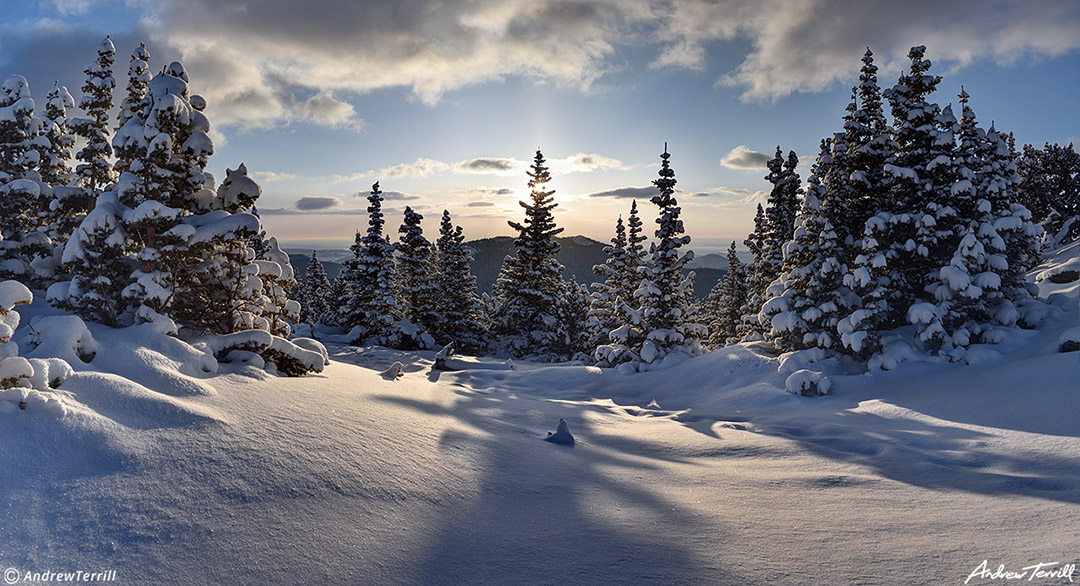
column 418, row 287
column 313, row 293
column 277, row 277
column 95, row 258
column 369, row 303
column 603, row 316
column 97, row 100
column 914, row 132
column 773, row 228
column 866, row 140
column 999, row 184
column 14, row 370
column 667, row 304
column 1050, row 188
column 573, row 315
column 224, row 289
column 809, row 298
column 132, row 106
column 458, row 303
column 530, row 285
column 57, row 140
column 18, row 157
column 725, row 302
column 260, row 241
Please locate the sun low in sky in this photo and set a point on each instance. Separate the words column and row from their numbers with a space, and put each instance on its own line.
column 445, row 101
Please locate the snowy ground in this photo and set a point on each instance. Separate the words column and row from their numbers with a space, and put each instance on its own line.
column 702, row 473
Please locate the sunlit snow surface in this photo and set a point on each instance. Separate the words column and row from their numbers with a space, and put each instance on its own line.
column 706, row 472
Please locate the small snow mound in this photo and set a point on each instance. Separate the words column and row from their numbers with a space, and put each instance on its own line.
column 313, row 346
column 1069, row 341
column 799, row 360
column 62, row 336
column 280, row 355
column 396, row 371
column 562, row 435
column 15, row 372
column 1065, row 272
column 808, row 383
column 49, row 373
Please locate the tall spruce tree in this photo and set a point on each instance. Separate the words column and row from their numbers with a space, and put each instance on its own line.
column 607, row 295
column 132, row 106
column 914, row 131
column 667, row 308
column 725, row 302
column 313, row 293
column 530, row 286
column 369, row 303
column 458, row 303
column 418, row 287
column 96, row 171
column 773, row 228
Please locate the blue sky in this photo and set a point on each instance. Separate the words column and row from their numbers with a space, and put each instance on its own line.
column 445, row 101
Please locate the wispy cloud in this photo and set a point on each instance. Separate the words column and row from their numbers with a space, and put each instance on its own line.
column 418, row 168
column 489, row 166
column 627, row 192
column 271, row 176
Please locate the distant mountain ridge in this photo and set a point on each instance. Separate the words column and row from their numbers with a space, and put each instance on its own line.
column 579, row 254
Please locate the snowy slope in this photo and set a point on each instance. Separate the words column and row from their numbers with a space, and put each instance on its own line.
column 705, row 472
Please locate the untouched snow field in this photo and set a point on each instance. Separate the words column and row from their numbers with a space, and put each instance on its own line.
column 705, row 472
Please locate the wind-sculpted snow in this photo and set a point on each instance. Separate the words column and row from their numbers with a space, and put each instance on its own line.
column 157, row 461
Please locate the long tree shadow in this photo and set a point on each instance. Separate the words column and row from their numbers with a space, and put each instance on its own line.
column 550, row 514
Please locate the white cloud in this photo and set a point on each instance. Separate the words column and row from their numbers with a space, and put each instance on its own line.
column 271, row 176
column 585, row 163
column 741, row 157
column 419, row 168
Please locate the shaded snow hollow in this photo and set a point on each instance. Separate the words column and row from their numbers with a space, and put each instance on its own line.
column 170, row 469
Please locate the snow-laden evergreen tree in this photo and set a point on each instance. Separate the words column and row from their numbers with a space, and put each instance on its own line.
column 458, row 303
column 723, row 307
column 635, row 254
column 166, row 183
column 18, row 157
column 999, row 183
column 56, row 141
column 1050, row 188
column 313, row 293
column 866, row 140
column 604, row 316
column 259, row 242
column 773, row 228
column 95, row 258
column 14, row 370
column 910, row 181
column 530, row 285
column 277, row 278
column 132, row 106
column 573, row 315
column 809, row 299
column 418, row 286
column 667, row 303
column 369, row 303
column 97, row 100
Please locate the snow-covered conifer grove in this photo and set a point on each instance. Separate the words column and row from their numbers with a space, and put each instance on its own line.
column 177, row 402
